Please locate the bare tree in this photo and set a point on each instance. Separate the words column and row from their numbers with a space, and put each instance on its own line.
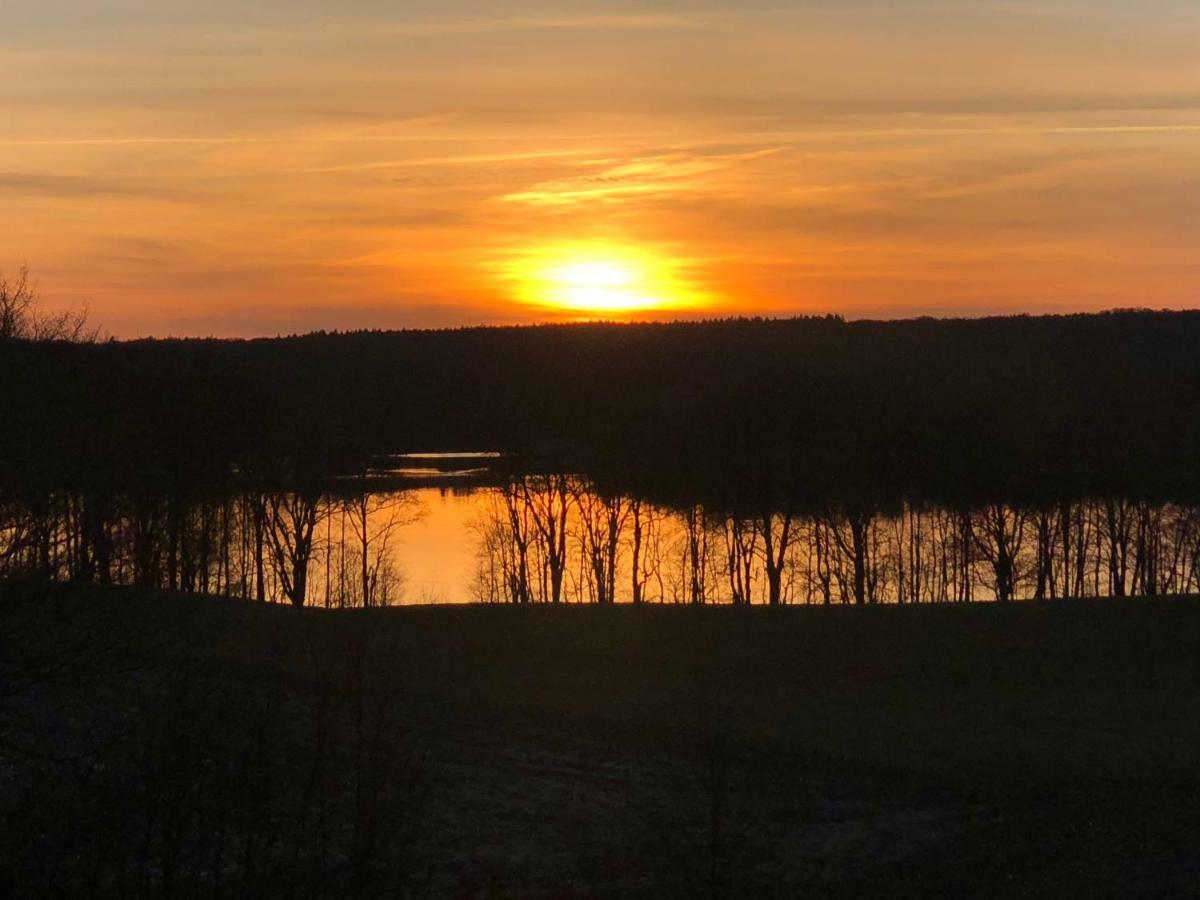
column 374, row 520
column 776, row 531
column 647, row 551
column 292, row 520
column 854, row 541
column 999, row 535
column 547, row 499
column 518, row 536
column 637, row 579
column 505, row 543
column 1046, row 533
column 16, row 306
column 602, row 522
column 741, row 546
column 1118, row 535
column 20, row 318
column 695, row 555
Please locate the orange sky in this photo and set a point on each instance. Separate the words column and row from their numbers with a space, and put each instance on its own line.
column 312, row 164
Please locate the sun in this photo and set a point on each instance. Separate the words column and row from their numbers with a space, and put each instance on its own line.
column 602, row 280
column 600, row 285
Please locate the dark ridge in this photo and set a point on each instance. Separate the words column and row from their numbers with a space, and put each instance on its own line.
column 796, row 410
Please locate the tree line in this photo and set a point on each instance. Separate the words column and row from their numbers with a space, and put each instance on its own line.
column 552, row 539
column 792, row 411
column 304, row 547
column 561, row 539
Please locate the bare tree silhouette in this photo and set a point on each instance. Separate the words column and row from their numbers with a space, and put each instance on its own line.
column 22, row 319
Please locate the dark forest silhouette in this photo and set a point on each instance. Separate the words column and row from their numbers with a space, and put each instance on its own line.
column 792, row 410
column 1041, row 457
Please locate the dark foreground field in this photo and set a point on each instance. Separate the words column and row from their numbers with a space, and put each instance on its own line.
column 166, row 745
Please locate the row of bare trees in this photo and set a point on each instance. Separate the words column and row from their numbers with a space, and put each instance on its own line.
column 553, row 539
column 301, row 547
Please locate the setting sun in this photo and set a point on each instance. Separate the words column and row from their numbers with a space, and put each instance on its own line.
column 602, row 279
column 599, row 285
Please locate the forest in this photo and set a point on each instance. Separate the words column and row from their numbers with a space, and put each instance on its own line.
column 808, row 460
column 777, row 411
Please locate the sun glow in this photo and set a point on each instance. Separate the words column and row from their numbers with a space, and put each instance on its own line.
column 601, row 280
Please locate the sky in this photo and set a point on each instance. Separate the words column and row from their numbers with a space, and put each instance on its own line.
column 239, row 169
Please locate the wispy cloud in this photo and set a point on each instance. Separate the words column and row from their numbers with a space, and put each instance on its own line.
column 81, row 186
column 329, row 136
column 579, row 22
column 643, row 176
column 470, row 159
column 789, row 135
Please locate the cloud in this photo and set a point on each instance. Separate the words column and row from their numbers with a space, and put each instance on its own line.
column 82, row 186
column 639, row 177
column 457, row 160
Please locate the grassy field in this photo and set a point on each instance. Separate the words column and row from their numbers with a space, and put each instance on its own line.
column 173, row 745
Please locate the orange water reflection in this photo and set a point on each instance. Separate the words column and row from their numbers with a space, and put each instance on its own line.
column 436, row 556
